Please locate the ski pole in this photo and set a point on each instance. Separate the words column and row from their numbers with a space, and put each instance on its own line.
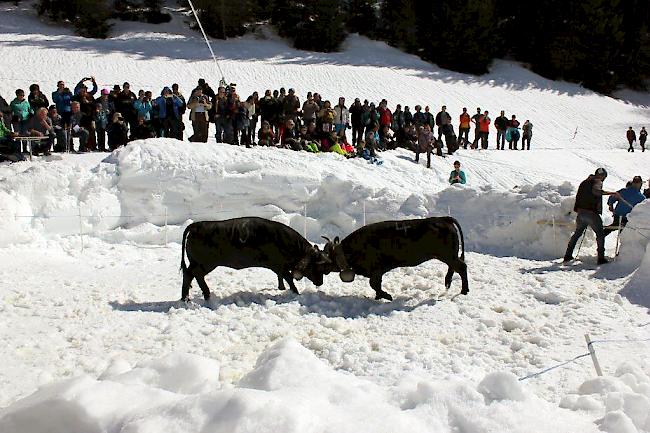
column 581, row 239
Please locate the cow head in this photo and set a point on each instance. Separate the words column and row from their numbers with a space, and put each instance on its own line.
column 334, row 251
column 313, row 265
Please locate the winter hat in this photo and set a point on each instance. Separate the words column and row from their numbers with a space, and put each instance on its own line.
column 601, row 172
column 105, row 92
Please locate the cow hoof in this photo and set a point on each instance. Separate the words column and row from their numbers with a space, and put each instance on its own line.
column 383, row 295
column 206, row 297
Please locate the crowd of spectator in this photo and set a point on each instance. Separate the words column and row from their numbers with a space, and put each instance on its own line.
column 107, row 119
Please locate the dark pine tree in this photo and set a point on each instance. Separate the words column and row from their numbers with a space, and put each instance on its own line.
column 361, row 16
column 321, row 28
column 398, row 24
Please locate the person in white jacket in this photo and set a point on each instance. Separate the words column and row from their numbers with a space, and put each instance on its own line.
column 341, row 116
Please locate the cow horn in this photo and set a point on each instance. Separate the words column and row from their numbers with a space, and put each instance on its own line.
column 336, row 240
column 326, row 238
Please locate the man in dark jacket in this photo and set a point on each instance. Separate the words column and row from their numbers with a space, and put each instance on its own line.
column 631, row 138
column 589, row 206
column 501, row 124
column 477, row 129
column 443, row 120
column 356, row 110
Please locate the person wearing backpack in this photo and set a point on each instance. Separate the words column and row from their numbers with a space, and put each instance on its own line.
column 463, row 127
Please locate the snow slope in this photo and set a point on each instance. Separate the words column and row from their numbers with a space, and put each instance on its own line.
column 91, row 328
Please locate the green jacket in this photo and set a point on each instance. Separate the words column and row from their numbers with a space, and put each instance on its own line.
column 21, row 109
column 4, row 131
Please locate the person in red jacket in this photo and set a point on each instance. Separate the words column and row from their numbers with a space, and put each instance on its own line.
column 463, row 128
column 484, row 129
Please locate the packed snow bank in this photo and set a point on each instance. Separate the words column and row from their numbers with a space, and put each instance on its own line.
column 635, row 253
column 623, row 397
column 158, row 182
column 289, row 390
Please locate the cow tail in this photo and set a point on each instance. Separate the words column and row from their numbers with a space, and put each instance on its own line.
column 462, row 238
column 185, row 233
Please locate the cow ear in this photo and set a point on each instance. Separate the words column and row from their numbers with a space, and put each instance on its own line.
column 336, row 240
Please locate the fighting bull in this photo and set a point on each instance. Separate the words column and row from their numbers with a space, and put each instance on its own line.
column 248, row 242
column 375, row 249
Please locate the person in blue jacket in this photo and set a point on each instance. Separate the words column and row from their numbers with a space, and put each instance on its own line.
column 457, row 175
column 630, row 196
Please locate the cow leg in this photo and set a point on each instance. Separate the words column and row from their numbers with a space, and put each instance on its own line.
column 281, row 283
column 375, row 283
column 204, row 286
column 187, row 283
column 292, row 286
column 448, row 277
column 459, row 266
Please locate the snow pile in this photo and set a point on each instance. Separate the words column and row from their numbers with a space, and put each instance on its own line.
column 635, row 253
column 624, row 398
column 289, row 390
column 158, row 182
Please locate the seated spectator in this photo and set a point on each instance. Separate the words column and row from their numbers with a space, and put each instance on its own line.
column 288, row 138
column 41, row 126
column 9, row 148
column 117, row 132
column 307, row 141
column 366, row 154
column 265, row 136
column 142, row 130
column 343, row 142
column 59, row 129
column 5, row 111
column 21, row 111
column 457, row 175
column 386, row 140
column 78, row 126
column 199, row 106
column 372, row 138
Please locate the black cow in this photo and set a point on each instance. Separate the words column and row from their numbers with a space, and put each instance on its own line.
column 377, row 248
column 245, row 243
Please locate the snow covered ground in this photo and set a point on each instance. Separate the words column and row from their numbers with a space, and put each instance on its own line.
column 91, row 328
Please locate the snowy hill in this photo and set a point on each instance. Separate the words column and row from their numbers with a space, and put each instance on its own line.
column 94, row 339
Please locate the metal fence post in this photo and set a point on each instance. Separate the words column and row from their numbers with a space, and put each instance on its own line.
column 592, row 352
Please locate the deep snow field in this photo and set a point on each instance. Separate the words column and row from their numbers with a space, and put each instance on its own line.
column 94, row 339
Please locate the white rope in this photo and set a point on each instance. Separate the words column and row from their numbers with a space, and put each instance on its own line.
column 207, row 41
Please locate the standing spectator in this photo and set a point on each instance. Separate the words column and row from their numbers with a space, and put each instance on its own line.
column 408, row 116
column 59, row 129
column 643, row 136
column 356, row 111
column 646, row 192
column 385, row 117
column 181, row 111
column 143, row 107
column 206, row 89
column 87, row 106
column 476, row 120
column 589, row 207
column 463, row 127
column 266, row 107
column 62, row 98
column 168, row 112
column 250, row 106
column 291, row 107
column 199, row 106
column 484, row 129
column 102, row 116
column 501, row 124
column 341, row 117
column 124, row 104
column 443, row 120
column 241, row 124
column 309, row 110
column 5, row 110
column 371, row 118
column 82, row 85
column 418, row 117
column 398, row 122
column 319, row 101
column 428, row 118
column 20, row 112
column 79, row 126
column 41, row 126
column 627, row 198
column 425, row 144
column 527, row 135
column 631, row 138
column 512, row 133
column 457, row 175
column 36, row 98
column 117, row 132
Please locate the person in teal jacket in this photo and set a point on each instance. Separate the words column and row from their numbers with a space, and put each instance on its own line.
column 457, row 175
column 21, row 111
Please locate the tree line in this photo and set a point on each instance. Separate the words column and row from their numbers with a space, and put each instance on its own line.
column 601, row 44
